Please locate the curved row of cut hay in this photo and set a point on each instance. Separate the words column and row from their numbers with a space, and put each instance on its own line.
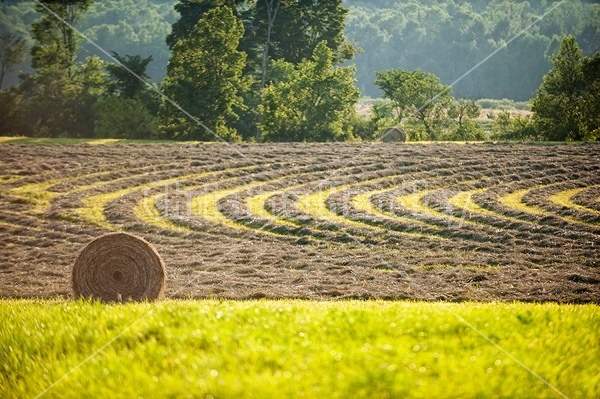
column 315, row 211
column 314, row 205
column 363, row 201
column 342, row 213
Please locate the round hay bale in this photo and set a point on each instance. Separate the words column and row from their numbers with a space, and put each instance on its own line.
column 119, row 267
column 394, row 135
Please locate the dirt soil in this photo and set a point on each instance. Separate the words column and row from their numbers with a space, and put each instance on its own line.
column 488, row 222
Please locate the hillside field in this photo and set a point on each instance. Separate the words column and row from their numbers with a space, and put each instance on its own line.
column 306, row 270
column 441, row 221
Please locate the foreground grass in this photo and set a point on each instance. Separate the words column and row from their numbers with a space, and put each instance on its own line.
column 275, row 349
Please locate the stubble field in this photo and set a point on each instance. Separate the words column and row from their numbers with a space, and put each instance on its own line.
column 452, row 222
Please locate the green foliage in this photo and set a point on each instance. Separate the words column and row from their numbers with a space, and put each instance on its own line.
column 503, row 104
column 192, row 11
column 58, row 100
column 416, row 95
column 291, row 349
column 52, row 104
column 298, row 28
column 311, row 104
column 132, row 27
column 123, row 81
column 12, row 52
column 56, row 45
column 382, row 118
column 204, row 77
column 123, row 118
column 517, row 127
column 463, row 112
column 301, row 25
column 448, row 38
column 567, row 105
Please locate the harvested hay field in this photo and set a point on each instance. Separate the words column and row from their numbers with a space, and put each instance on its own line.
column 485, row 222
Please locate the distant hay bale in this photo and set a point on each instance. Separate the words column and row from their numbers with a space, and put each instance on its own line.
column 119, row 267
column 394, row 135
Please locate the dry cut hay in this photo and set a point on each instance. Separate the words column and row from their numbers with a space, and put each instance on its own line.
column 394, row 135
column 119, row 267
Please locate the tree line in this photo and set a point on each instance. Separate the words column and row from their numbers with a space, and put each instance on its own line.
column 270, row 70
column 447, row 38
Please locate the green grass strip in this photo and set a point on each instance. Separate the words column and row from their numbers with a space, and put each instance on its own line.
column 71, row 141
column 147, row 211
column 315, row 204
column 292, row 349
column 39, row 195
column 93, row 207
column 257, row 205
column 464, row 200
column 514, row 200
column 363, row 203
column 565, row 198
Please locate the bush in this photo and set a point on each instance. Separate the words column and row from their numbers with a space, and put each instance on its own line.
column 517, row 127
column 503, row 104
column 124, row 118
column 468, row 131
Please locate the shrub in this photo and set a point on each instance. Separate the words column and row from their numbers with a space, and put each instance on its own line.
column 517, row 127
column 125, row 118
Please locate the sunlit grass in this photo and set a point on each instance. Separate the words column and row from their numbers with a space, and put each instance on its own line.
column 207, row 205
column 362, row 202
column 72, row 141
column 39, row 194
column 315, row 204
column 257, row 206
column 292, row 349
column 147, row 212
column 94, row 206
column 514, row 201
column 565, row 198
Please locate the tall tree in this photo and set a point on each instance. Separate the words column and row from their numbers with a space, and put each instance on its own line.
column 191, row 11
column 204, row 77
column 56, row 43
column 567, row 104
column 12, row 52
column 310, row 102
column 272, row 9
column 301, row 25
column 416, row 94
column 127, row 84
column 293, row 27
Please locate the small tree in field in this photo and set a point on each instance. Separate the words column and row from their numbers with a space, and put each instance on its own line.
column 417, row 95
column 463, row 112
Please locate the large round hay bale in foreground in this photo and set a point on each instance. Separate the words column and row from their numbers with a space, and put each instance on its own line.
column 119, row 267
column 394, row 135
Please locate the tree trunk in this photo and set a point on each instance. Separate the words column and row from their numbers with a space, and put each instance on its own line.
column 271, row 15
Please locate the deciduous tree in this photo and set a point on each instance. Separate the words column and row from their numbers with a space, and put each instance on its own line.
column 124, row 82
column 56, row 43
column 310, row 102
column 567, row 104
column 12, row 52
column 418, row 95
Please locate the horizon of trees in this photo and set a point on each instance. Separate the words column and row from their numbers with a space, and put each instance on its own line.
column 446, row 38
column 277, row 70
